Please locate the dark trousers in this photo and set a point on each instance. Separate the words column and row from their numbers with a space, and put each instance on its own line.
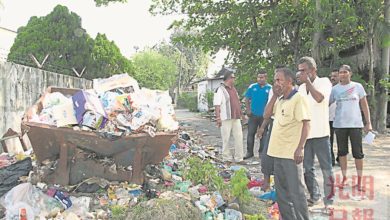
column 267, row 162
column 331, row 138
column 290, row 190
column 254, row 123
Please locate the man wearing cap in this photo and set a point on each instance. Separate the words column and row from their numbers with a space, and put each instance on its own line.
column 256, row 97
column 228, row 116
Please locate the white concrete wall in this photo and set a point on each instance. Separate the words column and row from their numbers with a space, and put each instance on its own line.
column 214, row 84
column 21, row 86
column 7, row 38
column 203, row 87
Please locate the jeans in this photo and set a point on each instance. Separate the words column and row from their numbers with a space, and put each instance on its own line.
column 319, row 147
column 254, row 123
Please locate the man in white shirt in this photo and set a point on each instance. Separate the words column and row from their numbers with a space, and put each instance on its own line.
column 317, row 90
column 334, row 79
column 228, row 115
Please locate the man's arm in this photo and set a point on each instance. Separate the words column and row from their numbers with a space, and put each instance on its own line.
column 366, row 111
column 267, row 116
column 298, row 155
column 248, row 106
column 317, row 95
column 218, row 115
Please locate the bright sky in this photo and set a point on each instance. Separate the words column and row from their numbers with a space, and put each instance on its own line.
column 128, row 24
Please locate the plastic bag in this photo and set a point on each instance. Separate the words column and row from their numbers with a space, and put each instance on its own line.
column 139, row 119
column 183, row 186
column 231, row 214
column 167, row 123
column 110, row 101
column 13, row 212
column 53, row 99
column 80, row 206
column 40, row 203
column 269, row 195
column 114, row 82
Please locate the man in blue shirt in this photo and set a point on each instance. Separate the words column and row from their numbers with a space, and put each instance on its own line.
column 256, row 98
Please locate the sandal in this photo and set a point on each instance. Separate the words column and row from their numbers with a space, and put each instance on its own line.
column 359, row 188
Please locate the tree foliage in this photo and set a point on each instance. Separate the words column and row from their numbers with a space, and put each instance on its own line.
column 154, row 70
column 61, row 36
column 58, row 34
column 191, row 61
column 106, row 2
column 259, row 33
column 264, row 34
column 107, row 58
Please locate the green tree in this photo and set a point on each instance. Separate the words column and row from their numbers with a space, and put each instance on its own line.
column 106, row 2
column 190, row 60
column 154, row 70
column 106, row 59
column 263, row 34
column 384, row 72
column 58, row 34
column 61, row 36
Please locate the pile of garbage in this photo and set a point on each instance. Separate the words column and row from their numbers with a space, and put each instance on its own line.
column 116, row 106
column 191, row 183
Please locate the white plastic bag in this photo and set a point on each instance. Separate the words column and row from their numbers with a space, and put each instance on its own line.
column 116, row 81
column 27, row 196
column 80, row 206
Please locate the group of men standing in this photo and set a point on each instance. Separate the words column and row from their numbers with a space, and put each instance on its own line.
column 295, row 125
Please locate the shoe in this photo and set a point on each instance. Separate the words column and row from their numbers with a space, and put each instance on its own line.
column 227, row 162
column 247, row 156
column 241, row 162
column 329, row 210
column 312, row 202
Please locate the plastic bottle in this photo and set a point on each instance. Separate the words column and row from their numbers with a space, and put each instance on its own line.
column 22, row 214
column 272, row 180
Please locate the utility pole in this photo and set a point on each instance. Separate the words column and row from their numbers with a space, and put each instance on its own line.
column 180, row 72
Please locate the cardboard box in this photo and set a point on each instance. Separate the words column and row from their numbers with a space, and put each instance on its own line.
column 87, row 102
column 64, row 114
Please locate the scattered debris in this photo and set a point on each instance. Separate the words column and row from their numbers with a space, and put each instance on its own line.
column 191, row 182
column 11, row 171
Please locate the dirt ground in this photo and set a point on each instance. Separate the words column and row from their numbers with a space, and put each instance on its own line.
column 374, row 203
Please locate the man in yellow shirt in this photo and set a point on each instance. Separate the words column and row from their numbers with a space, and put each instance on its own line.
column 288, row 137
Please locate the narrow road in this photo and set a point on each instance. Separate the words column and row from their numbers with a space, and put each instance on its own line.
column 349, row 204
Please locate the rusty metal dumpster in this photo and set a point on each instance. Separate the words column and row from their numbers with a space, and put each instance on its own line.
column 73, row 149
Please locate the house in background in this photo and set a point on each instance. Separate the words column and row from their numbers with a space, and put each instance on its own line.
column 7, row 38
column 210, row 84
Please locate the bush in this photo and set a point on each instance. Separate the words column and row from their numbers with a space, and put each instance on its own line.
column 238, row 185
column 188, row 100
column 203, row 172
column 207, row 99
